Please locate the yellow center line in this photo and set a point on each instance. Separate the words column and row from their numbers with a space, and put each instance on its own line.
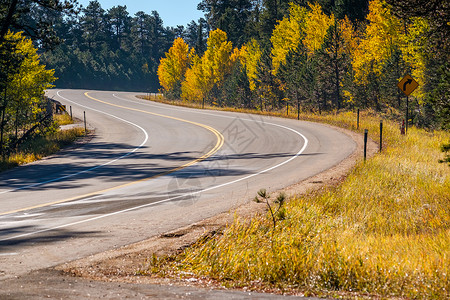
column 218, row 145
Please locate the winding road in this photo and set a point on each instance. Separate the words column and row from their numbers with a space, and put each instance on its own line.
column 148, row 169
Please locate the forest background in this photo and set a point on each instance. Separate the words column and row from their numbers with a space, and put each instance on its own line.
column 316, row 56
column 321, row 56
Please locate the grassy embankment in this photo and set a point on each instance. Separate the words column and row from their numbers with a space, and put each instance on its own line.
column 383, row 232
column 42, row 146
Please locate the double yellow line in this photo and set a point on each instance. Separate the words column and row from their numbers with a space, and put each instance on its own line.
column 219, row 143
column 217, row 146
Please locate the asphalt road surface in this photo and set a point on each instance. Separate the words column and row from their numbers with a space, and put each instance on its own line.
column 148, row 169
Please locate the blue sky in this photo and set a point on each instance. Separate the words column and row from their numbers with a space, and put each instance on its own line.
column 172, row 12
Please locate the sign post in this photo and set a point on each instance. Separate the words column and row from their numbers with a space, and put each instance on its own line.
column 407, row 85
column 407, row 115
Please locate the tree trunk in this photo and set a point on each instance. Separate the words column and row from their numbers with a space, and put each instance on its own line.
column 2, row 124
column 8, row 19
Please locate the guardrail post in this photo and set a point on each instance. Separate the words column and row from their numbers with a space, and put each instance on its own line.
column 357, row 120
column 381, row 135
column 85, row 127
column 366, row 133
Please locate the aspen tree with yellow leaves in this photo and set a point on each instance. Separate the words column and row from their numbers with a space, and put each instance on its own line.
column 23, row 82
column 195, row 87
column 218, row 57
column 208, row 72
column 316, row 27
column 250, row 54
column 379, row 42
column 172, row 68
column 388, row 49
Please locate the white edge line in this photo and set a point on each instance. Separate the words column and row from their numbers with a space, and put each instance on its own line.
column 93, row 168
column 180, row 196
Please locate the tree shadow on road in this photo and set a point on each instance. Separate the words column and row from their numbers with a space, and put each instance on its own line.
column 100, row 161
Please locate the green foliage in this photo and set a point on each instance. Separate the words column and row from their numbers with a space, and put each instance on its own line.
column 236, row 89
column 34, row 17
column 109, row 49
column 23, row 81
column 269, row 89
column 196, row 35
column 438, row 90
column 233, row 17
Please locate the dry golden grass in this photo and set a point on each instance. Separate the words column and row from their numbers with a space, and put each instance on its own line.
column 43, row 146
column 384, row 232
column 62, row 119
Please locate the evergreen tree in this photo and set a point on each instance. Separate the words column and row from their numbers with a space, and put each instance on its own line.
column 269, row 90
column 118, row 27
column 232, row 16
column 196, row 35
column 22, row 15
column 93, row 25
column 236, row 88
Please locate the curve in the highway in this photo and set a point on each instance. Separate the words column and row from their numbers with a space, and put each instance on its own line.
column 217, row 146
column 149, row 168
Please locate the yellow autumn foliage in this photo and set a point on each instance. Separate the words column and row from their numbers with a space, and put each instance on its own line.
column 307, row 26
column 348, row 34
column 316, row 27
column 384, row 34
column 287, row 35
column 414, row 54
column 173, row 66
column 211, row 68
column 381, row 37
column 217, row 58
column 196, row 84
column 31, row 79
column 250, row 54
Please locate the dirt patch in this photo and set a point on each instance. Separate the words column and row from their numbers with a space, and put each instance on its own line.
column 122, row 264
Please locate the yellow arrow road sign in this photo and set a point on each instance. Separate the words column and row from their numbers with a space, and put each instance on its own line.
column 407, row 85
